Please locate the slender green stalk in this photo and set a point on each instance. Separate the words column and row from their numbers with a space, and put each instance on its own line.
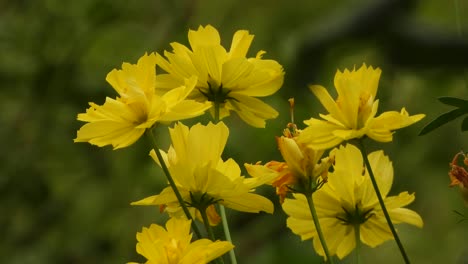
column 209, row 230
column 227, row 233
column 310, row 201
column 216, row 112
column 381, row 201
column 232, row 254
column 357, row 236
column 172, row 183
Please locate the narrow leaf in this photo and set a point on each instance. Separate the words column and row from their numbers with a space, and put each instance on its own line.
column 453, row 101
column 442, row 120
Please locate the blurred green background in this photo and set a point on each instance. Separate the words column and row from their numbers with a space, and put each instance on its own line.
column 62, row 202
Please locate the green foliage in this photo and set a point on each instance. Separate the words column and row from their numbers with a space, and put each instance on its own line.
column 462, row 108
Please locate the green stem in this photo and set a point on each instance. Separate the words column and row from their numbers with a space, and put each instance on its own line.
column 172, row 183
column 310, row 201
column 216, row 112
column 357, row 236
column 227, row 233
column 209, row 230
column 381, row 201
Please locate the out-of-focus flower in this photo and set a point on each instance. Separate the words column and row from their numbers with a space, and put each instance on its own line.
column 353, row 114
column 122, row 121
column 227, row 79
column 202, row 177
column 348, row 201
column 302, row 169
column 174, row 246
column 459, row 176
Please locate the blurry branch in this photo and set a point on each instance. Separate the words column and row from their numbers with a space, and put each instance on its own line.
column 388, row 23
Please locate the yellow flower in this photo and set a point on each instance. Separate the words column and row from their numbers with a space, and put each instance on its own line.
column 227, row 78
column 349, row 200
column 353, row 114
column 302, row 170
column 174, row 246
column 202, row 177
column 122, row 121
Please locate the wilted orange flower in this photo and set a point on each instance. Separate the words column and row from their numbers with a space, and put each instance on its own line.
column 459, row 176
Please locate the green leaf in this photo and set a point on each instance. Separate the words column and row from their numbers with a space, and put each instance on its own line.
column 453, row 101
column 443, row 119
column 464, row 126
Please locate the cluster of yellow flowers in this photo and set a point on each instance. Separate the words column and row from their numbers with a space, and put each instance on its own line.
column 324, row 180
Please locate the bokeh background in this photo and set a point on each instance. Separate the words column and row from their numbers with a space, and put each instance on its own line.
column 62, row 202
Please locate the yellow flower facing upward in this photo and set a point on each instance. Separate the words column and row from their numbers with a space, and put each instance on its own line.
column 122, row 121
column 226, row 78
column 302, row 169
column 202, row 177
column 353, row 114
column 349, row 200
column 174, row 246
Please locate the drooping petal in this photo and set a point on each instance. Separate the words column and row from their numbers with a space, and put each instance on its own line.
column 319, row 134
column 252, row 110
column 249, row 202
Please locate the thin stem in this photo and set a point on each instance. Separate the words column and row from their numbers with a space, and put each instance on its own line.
column 381, row 201
column 310, row 201
column 172, row 183
column 357, row 236
column 209, row 230
column 227, row 233
column 216, row 112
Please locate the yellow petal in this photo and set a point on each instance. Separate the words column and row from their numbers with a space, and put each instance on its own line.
column 404, row 215
column 249, row 202
column 264, row 79
column 235, row 71
column 327, row 101
column 207, row 142
column 375, row 231
column 184, row 110
column 292, row 154
column 382, row 126
column 347, row 173
column 208, row 61
column 319, row 134
column 347, row 244
column 252, row 110
column 166, row 196
column 383, row 171
column 240, row 44
column 261, row 175
column 204, row 36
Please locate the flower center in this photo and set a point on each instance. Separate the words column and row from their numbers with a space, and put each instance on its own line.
column 201, row 200
column 218, row 95
column 356, row 216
